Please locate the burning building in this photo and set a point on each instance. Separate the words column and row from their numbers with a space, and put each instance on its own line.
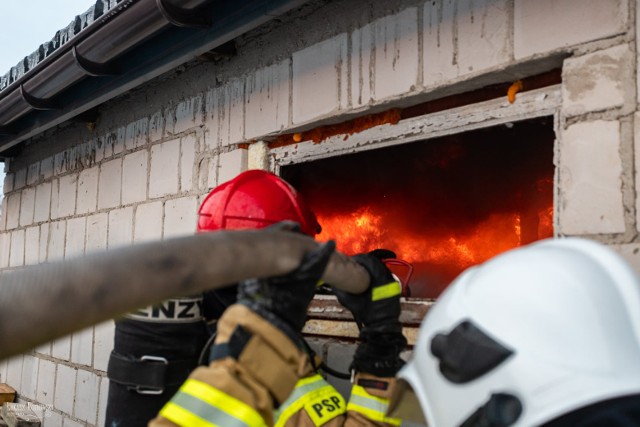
column 447, row 131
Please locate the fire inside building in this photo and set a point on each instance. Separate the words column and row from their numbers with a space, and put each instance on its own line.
column 446, row 131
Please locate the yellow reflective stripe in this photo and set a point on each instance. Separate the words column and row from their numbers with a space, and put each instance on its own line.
column 386, row 291
column 317, row 397
column 200, row 404
column 182, row 417
column 372, row 407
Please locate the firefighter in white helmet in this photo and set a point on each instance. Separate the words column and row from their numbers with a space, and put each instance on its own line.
column 547, row 335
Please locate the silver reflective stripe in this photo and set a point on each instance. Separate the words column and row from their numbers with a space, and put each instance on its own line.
column 207, row 412
column 373, row 404
column 299, row 392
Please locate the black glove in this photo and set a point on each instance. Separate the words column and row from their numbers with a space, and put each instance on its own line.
column 377, row 310
column 284, row 300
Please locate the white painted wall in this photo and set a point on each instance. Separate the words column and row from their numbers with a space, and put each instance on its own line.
column 141, row 173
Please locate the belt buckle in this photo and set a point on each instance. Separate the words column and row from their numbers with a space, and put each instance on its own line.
column 151, row 390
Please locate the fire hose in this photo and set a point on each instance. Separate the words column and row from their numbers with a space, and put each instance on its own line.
column 44, row 302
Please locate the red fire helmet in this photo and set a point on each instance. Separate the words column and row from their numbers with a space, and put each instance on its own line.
column 255, row 199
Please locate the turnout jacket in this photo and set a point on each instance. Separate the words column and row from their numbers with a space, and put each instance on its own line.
column 267, row 380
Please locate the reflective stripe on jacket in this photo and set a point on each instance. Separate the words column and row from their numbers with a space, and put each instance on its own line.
column 372, row 407
column 197, row 404
column 316, row 397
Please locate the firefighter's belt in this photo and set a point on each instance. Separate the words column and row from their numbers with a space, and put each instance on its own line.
column 148, row 374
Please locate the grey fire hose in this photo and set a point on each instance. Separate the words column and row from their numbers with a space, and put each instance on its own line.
column 45, row 302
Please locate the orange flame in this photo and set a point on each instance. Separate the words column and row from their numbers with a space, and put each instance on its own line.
column 366, row 229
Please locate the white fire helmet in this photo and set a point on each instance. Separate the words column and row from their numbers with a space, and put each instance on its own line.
column 527, row 337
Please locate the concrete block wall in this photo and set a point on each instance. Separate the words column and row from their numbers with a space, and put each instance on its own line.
column 141, row 173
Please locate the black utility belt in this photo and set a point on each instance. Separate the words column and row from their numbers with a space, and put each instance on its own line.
column 148, row 374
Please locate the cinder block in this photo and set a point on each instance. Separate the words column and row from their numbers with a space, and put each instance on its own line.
column 396, row 45
column 46, row 382
column 136, row 134
column 117, row 140
column 61, row 348
column 20, row 179
column 438, row 46
column 57, row 235
column 76, row 231
column 44, row 349
column 231, row 164
column 14, row 372
column 16, row 259
column 98, row 146
column 27, row 205
column 134, row 177
column 316, row 79
column 590, row 168
column 110, row 184
column 148, row 222
column 545, row 25
column 46, row 168
column 97, row 228
column 55, row 199
column 103, row 344
column 202, row 171
column 82, row 347
column 68, row 422
column 53, row 419
column 212, row 171
column 88, row 190
column 156, row 127
column 339, row 357
column 43, row 202
column 267, row 100
column 188, row 114
column 29, row 377
column 120, row 227
column 86, row 402
column 163, row 179
column 33, row 173
column 188, row 148
column 483, row 34
column 214, row 103
column 598, row 81
column 180, row 216
column 360, row 59
column 102, row 400
column 13, row 210
column 44, row 242
column 60, row 162
column 631, row 253
column 67, row 196
column 3, row 214
column 32, row 245
column 5, row 247
column 8, row 182
column 231, row 109
column 65, row 389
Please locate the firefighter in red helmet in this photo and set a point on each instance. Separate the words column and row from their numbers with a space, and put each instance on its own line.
column 261, row 371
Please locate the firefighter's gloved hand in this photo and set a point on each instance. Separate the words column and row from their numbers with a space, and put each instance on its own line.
column 283, row 300
column 378, row 311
